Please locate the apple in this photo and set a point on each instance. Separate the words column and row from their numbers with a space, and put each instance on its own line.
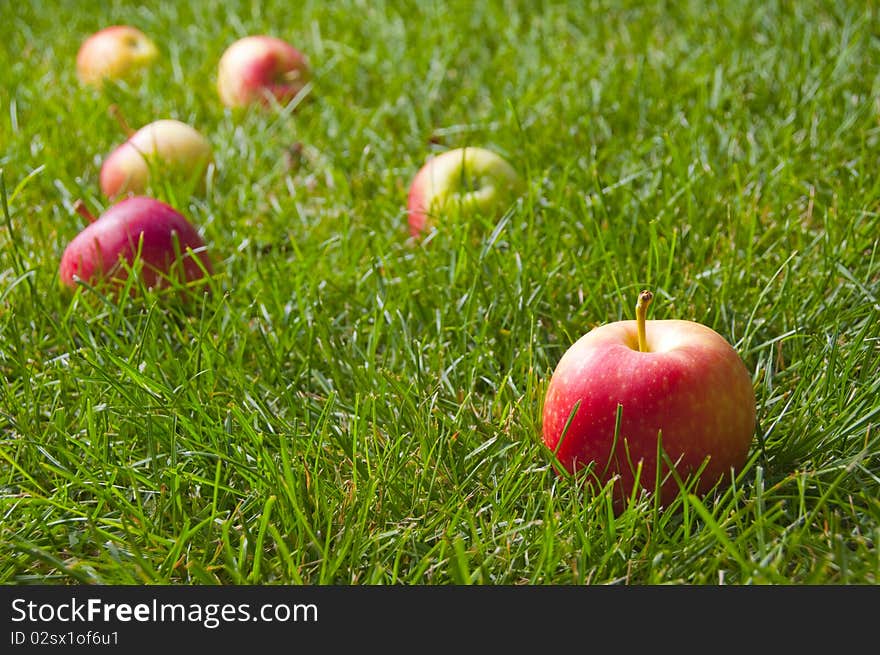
column 676, row 384
column 116, row 53
column 166, row 242
column 467, row 180
column 169, row 148
column 255, row 69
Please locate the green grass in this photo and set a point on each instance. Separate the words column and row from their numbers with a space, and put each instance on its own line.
column 349, row 407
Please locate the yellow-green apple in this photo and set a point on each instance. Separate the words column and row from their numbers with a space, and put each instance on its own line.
column 466, row 181
column 116, row 53
column 626, row 389
column 137, row 229
column 170, row 149
column 256, row 69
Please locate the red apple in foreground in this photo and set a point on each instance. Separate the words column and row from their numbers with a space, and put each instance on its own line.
column 256, row 68
column 168, row 245
column 115, row 53
column 677, row 383
column 464, row 180
column 169, row 148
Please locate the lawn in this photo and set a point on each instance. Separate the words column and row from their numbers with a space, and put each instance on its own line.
column 349, row 405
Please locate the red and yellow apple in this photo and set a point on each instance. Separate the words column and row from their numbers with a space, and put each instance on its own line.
column 465, row 181
column 168, row 148
column 627, row 389
column 136, row 229
column 116, row 53
column 257, row 69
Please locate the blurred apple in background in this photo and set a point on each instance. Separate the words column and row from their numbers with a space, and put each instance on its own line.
column 169, row 149
column 256, row 68
column 114, row 53
column 464, row 180
column 168, row 244
column 677, row 383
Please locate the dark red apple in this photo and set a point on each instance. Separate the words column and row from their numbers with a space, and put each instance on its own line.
column 167, row 243
column 627, row 388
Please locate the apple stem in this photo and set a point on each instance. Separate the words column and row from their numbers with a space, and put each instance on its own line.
column 80, row 208
column 645, row 298
column 116, row 113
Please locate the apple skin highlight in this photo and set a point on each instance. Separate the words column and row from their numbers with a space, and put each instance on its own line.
column 691, row 388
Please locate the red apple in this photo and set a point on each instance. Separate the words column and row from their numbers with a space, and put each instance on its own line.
column 172, row 149
column 257, row 68
column 135, row 225
column 677, row 384
column 463, row 180
column 115, row 53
